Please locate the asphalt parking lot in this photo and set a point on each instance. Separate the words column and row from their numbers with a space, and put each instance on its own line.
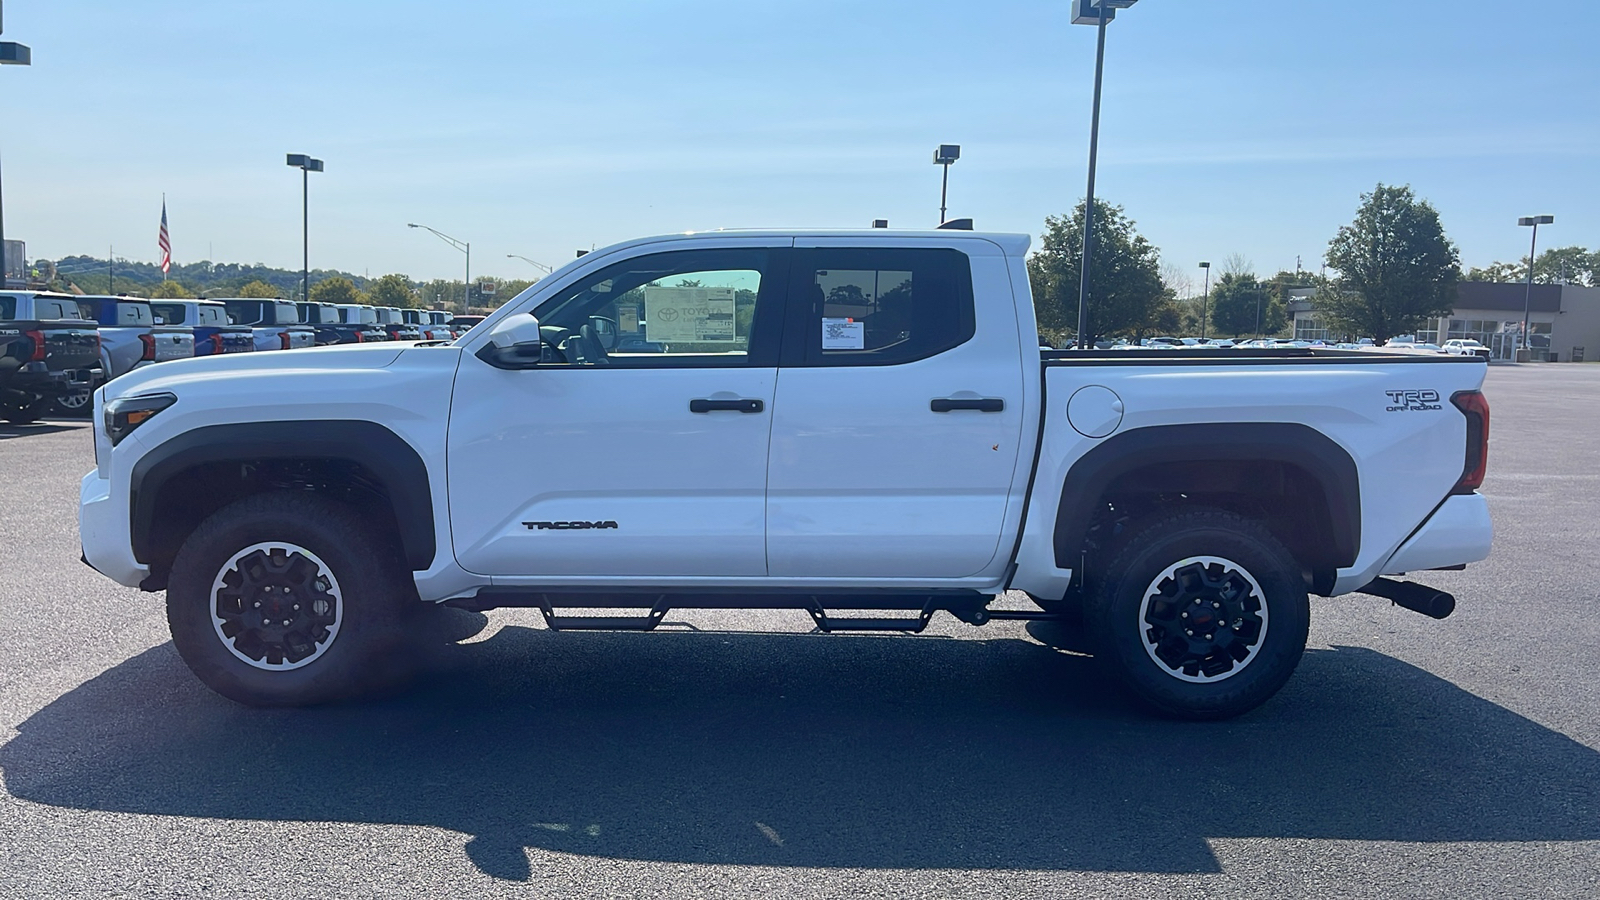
column 1406, row 758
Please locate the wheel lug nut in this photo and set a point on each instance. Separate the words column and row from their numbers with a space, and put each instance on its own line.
column 1208, row 637
column 297, row 607
column 286, row 622
column 258, row 604
column 1185, row 615
column 1188, row 632
column 1215, row 605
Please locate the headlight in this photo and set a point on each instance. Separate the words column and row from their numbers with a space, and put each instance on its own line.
column 125, row 414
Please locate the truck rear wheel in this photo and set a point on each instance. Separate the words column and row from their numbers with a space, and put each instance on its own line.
column 24, row 411
column 1203, row 615
column 288, row 600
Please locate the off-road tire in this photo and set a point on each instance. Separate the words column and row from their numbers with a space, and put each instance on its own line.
column 1200, row 679
column 367, row 650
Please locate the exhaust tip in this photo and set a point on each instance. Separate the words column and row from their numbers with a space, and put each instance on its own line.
column 1431, row 602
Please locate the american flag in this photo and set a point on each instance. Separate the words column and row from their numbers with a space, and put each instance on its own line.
column 165, row 241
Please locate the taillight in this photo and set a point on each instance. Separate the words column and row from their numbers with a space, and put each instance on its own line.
column 38, row 345
column 283, row 337
column 149, row 341
column 1475, row 407
column 216, row 343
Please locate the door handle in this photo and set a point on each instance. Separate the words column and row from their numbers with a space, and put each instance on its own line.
column 981, row 404
column 703, row 405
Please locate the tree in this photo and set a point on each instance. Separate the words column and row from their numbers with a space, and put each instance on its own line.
column 1241, row 304
column 336, row 290
column 171, row 290
column 1563, row 265
column 391, row 290
column 1397, row 269
column 259, row 290
column 1125, row 289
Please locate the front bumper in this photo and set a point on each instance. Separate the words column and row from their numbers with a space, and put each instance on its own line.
column 1459, row 532
column 103, row 530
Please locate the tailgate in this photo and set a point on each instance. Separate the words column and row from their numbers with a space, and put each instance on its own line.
column 172, row 342
column 237, row 339
column 301, row 336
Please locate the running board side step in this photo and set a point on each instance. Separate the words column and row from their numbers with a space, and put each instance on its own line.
column 1420, row 598
column 968, row 606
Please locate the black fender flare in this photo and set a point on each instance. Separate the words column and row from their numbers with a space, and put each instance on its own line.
column 382, row 452
column 1279, row 442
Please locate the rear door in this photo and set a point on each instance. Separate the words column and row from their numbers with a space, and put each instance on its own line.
column 897, row 425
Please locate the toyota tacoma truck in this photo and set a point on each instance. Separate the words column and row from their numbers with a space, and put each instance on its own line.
column 859, row 425
column 47, row 353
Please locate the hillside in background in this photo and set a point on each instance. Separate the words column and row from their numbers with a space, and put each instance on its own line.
column 93, row 275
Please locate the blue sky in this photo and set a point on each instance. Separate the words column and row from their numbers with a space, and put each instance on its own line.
column 1245, row 127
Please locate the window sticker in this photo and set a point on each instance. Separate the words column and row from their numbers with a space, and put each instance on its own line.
column 691, row 314
column 843, row 334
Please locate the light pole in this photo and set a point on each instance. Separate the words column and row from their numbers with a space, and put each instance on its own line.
column 464, row 247
column 532, row 262
column 1527, row 297
column 306, row 165
column 11, row 54
column 1203, row 298
column 1098, row 13
column 944, row 156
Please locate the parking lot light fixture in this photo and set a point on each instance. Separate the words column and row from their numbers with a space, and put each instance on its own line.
column 1098, row 13
column 464, row 247
column 1527, row 297
column 532, row 262
column 11, row 54
column 306, row 165
column 944, row 156
column 1204, row 296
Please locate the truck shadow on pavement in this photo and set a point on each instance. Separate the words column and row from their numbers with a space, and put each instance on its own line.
column 34, row 429
column 800, row 750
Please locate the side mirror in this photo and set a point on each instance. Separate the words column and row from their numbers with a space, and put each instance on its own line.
column 514, row 344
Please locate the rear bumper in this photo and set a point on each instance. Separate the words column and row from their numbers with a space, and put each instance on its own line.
column 1458, row 532
column 103, row 531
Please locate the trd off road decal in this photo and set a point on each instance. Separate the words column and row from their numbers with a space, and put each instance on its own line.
column 1412, row 401
column 566, row 526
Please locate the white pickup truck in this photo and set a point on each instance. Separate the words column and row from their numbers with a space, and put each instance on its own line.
column 835, row 422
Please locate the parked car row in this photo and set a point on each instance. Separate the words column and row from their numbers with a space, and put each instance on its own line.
column 55, row 349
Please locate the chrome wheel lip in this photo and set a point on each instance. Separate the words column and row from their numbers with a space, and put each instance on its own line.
column 323, row 571
column 1152, row 592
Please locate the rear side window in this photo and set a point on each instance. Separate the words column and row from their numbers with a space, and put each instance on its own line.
column 877, row 307
column 210, row 316
column 169, row 313
column 8, row 307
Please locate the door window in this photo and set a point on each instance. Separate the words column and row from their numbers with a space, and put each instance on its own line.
column 874, row 307
column 691, row 308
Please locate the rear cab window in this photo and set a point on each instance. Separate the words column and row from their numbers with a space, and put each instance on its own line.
column 131, row 314
column 55, row 308
column 170, row 313
column 8, row 308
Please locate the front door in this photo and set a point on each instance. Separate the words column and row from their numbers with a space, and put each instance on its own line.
column 637, row 448
column 897, row 430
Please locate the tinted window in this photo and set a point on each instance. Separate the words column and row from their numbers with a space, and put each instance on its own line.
column 8, row 307
column 210, row 315
column 244, row 312
column 285, row 314
column 692, row 308
column 865, row 307
column 53, row 308
column 169, row 313
column 134, row 314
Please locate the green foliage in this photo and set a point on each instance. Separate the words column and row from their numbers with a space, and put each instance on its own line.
column 336, row 290
column 259, row 290
column 89, row 274
column 1241, row 305
column 1126, row 295
column 1562, row 265
column 393, row 290
column 171, row 290
column 1396, row 267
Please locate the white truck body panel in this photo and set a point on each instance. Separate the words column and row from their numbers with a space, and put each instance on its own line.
column 846, row 480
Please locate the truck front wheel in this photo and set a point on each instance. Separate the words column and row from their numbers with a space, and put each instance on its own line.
column 288, row 599
column 1203, row 615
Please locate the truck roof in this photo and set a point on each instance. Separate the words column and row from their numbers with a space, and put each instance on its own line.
column 1012, row 244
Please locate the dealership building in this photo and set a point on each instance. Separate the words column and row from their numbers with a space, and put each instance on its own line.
column 1563, row 320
